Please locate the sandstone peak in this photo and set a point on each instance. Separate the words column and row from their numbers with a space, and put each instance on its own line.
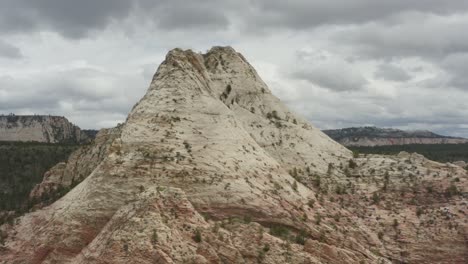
column 206, row 162
column 217, row 60
column 209, row 126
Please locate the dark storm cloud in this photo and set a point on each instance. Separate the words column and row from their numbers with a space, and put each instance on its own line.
column 70, row 18
column 302, row 14
column 9, row 51
column 76, row 19
column 391, row 73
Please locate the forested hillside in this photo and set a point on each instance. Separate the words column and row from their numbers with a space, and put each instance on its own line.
column 22, row 166
column 437, row 152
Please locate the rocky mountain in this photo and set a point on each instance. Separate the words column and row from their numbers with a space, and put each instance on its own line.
column 373, row 136
column 210, row 167
column 48, row 129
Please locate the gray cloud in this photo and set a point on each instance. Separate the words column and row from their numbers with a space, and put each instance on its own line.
column 327, row 71
column 412, row 109
column 391, row 73
column 77, row 90
column 77, row 19
column 436, row 40
column 431, row 37
column 207, row 14
column 303, row 14
column 9, row 51
column 453, row 73
column 74, row 19
column 395, row 58
column 456, row 66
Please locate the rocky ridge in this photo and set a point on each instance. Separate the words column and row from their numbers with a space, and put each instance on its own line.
column 373, row 136
column 37, row 128
column 210, row 167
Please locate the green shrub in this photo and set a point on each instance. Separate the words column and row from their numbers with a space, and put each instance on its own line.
column 380, row 235
column 419, row 211
column 437, row 152
column 154, row 237
column 318, row 219
column 197, row 237
column 375, row 198
column 300, row 238
column 355, row 154
column 294, row 186
column 451, row 190
column 279, row 231
column 317, row 181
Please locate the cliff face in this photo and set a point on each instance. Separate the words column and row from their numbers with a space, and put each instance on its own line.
column 48, row 129
column 210, row 167
column 373, row 136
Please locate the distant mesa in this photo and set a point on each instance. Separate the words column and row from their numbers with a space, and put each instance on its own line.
column 42, row 128
column 374, row 136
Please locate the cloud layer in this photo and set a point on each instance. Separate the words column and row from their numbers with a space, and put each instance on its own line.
column 361, row 62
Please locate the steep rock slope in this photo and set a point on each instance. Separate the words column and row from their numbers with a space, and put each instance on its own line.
column 288, row 138
column 184, row 135
column 373, row 136
column 48, row 129
column 209, row 167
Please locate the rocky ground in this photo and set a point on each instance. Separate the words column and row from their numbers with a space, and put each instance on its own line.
column 210, row 167
column 414, row 209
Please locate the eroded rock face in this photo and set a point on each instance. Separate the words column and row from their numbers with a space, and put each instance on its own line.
column 413, row 209
column 47, row 129
column 209, row 167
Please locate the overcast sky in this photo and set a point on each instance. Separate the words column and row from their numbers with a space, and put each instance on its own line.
column 399, row 63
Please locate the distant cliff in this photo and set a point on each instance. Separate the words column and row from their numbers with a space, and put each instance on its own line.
column 374, row 136
column 37, row 128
